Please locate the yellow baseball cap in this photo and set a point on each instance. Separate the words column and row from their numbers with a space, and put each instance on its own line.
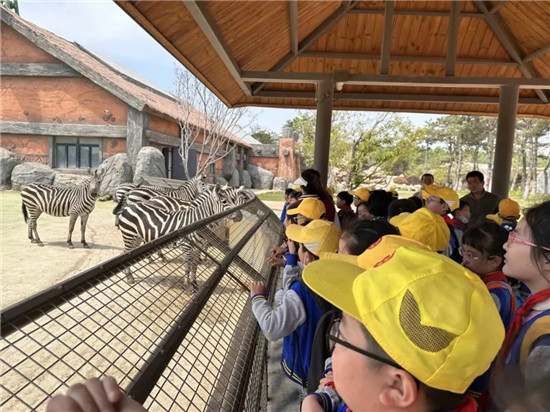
column 297, row 189
column 495, row 218
column 446, row 193
column 432, row 316
column 425, row 227
column 362, row 193
column 508, row 208
column 309, row 207
column 317, row 236
column 375, row 252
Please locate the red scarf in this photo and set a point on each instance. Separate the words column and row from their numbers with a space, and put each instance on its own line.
column 468, row 405
column 494, row 277
column 521, row 313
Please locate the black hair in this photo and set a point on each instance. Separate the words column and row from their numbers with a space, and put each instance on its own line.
column 417, row 201
column 346, row 197
column 289, row 191
column 292, row 218
column 475, row 173
column 426, row 174
column 378, row 202
column 315, row 257
column 399, row 206
column 487, row 237
column 538, row 220
column 363, row 233
column 436, row 399
column 314, row 186
column 295, row 195
column 461, row 205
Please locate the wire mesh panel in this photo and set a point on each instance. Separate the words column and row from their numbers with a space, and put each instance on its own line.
column 180, row 337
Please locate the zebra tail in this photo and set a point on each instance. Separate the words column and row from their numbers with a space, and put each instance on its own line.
column 120, row 206
column 25, row 214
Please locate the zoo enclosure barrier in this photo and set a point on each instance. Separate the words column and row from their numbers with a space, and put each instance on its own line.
column 168, row 346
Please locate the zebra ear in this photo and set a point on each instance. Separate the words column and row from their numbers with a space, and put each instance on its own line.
column 240, row 189
column 225, row 187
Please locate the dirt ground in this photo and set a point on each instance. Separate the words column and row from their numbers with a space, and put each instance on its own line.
column 27, row 268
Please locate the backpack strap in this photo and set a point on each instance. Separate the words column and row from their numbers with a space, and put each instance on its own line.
column 538, row 329
column 500, row 284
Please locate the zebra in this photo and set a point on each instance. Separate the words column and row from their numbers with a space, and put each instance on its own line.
column 41, row 198
column 144, row 222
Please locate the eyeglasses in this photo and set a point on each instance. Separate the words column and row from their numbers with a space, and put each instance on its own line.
column 469, row 255
column 512, row 238
column 435, row 199
column 333, row 338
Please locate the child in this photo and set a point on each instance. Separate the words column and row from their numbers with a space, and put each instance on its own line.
column 417, row 329
column 345, row 214
column 378, row 203
column 296, row 317
column 525, row 354
column 308, row 209
column 287, row 202
column 461, row 217
column 363, row 212
column 360, row 195
column 508, row 214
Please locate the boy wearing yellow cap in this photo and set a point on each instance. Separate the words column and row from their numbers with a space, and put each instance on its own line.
column 360, row 195
column 309, row 209
column 508, row 214
column 299, row 309
column 417, row 329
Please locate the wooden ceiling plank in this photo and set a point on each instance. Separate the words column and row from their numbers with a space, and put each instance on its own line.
column 452, row 38
column 509, row 44
column 198, row 11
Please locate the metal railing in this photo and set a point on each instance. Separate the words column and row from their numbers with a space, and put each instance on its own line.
column 169, row 346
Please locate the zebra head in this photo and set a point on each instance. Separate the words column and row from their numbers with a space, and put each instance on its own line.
column 93, row 183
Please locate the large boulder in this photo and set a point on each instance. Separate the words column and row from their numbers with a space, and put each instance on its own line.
column 229, row 164
column 150, row 162
column 246, row 181
column 114, row 171
column 69, row 181
column 235, row 179
column 26, row 173
column 220, row 180
column 8, row 160
column 280, row 183
column 261, row 178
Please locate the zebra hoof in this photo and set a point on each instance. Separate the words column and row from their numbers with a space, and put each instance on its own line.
column 40, row 244
column 71, row 246
column 85, row 245
column 130, row 279
column 33, row 240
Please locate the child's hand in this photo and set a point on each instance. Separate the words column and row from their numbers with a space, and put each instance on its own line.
column 310, row 404
column 257, row 288
column 274, row 261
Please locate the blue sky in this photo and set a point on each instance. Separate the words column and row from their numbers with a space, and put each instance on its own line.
column 105, row 29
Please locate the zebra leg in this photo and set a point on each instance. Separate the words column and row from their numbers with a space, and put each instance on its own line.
column 33, row 229
column 72, row 222
column 83, row 221
column 190, row 265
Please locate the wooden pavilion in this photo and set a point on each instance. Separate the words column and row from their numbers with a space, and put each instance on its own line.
column 461, row 57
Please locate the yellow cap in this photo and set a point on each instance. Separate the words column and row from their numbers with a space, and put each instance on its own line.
column 362, row 193
column 297, row 188
column 317, row 236
column 432, row 316
column 330, row 191
column 446, row 193
column 425, row 227
column 309, row 207
column 375, row 252
column 508, row 208
column 495, row 218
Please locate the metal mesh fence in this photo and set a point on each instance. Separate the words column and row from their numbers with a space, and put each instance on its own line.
column 171, row 344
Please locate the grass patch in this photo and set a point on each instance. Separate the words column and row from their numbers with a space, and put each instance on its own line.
column 274, row 196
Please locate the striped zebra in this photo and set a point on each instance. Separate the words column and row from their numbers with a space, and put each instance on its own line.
column 56, row 201
column 144, row 222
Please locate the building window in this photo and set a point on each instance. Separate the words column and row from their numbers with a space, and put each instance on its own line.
column 212, row 168
column 76, row 154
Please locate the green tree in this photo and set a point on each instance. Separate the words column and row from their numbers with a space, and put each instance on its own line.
column 264, row 136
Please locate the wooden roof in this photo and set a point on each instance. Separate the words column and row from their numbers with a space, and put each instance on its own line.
column 234, row 46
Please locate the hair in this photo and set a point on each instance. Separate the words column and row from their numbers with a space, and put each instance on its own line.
column 436, row 399
column 363, row 204
column 417, row 201
column 426, row 175
column 294, row 195
column 346, row 197
column 289, row 191
column 461, row 205
column 538, row 220
column 314, row 186
column 314, row 256
column 488, row 237
column 399, row 206
column 475, row 173
column 363, row 233
column 379, row 201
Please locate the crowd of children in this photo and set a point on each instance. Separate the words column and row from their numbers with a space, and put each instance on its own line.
column 405, row 304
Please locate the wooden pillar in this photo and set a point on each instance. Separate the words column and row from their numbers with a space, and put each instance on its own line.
column 135, row 133
column 504, row 147
column 324, row 96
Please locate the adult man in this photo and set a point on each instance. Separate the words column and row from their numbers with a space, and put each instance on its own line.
column 481, row 202
column 427, row 179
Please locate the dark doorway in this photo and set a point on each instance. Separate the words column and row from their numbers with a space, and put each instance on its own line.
column 174, row 164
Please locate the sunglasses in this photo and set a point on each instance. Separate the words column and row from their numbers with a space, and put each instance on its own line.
column 512, row 238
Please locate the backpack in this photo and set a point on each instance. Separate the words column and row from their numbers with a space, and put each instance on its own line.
column 500, row 284
column 539, row 329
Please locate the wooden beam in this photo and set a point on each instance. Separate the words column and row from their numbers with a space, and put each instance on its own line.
column 452, row 38
column 399, row 81
column 386, row 37
column 202, row 17
column 326, row 25
column 56, row 129
column 136, row 122
column 401, row 58
column 426, row 13
column 385, row 97
column 162, row 138
column 293, row 11
column 37, row 70
column 536, row 53
column 509, row 44
column 500, row 4
column 70, row 60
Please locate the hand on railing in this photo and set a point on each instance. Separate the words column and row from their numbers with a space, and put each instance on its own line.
column 94, row 395
column 257, row 288
column 275, row 261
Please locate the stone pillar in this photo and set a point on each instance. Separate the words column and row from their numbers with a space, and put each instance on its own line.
column 504, row 147
column 136, row 125
column 324, row 96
